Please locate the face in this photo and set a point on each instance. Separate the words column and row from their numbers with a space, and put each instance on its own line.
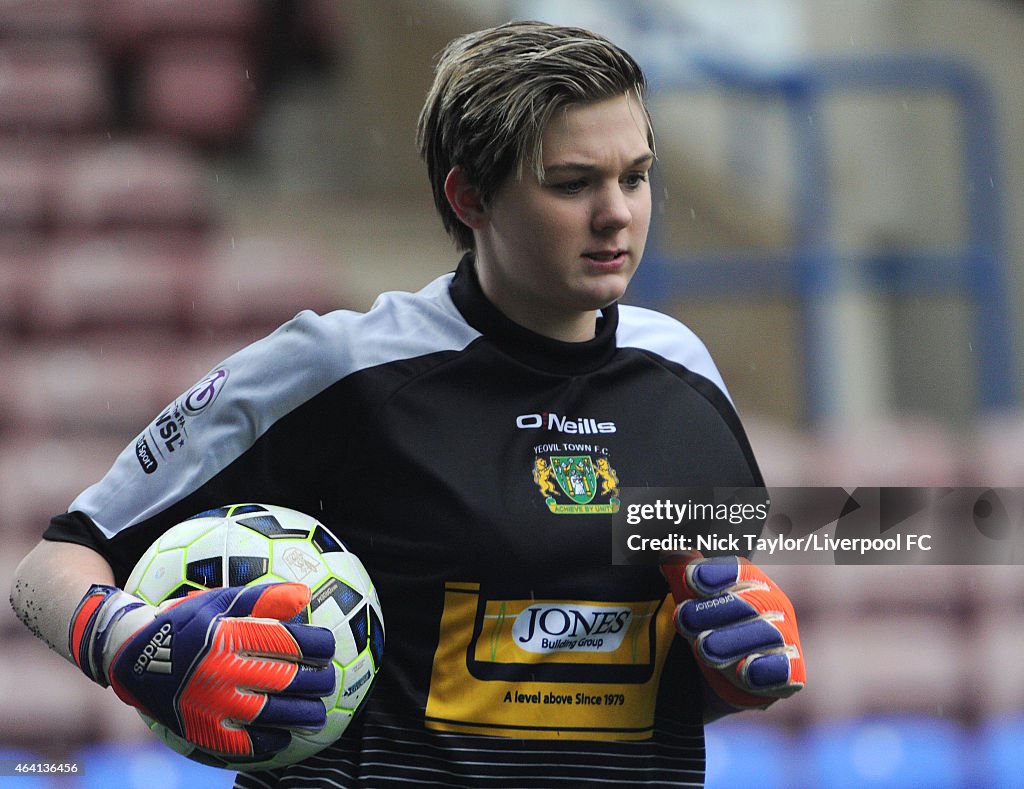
column 550, row 254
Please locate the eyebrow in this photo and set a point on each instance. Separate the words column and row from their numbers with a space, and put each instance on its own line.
column 587, row 168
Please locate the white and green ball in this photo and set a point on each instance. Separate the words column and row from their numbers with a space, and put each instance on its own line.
column 248, row 544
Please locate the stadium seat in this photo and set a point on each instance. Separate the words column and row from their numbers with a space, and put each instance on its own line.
column 894, row 752
column 746, row 755
column 88, row 387
column 139, row 181
column 785, row 455
column 875, row 664
column 103, row 282
column 41, row 475
column 126, row 27
column 145, row 764
column 26, row 184
column 48, row 86
column 46, row 19
column 997, row 452
column 34, row 682
column 917, row 453
column 204, row 91
column 263, row 281
column 875, row 590
column 996, row 640
column 997, row 588
column 103, row 384
column 14, row 268
column 16, row 547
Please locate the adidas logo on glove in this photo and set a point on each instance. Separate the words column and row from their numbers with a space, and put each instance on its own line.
column 156, row 655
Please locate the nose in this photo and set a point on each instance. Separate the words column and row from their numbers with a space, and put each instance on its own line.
column 611, row 209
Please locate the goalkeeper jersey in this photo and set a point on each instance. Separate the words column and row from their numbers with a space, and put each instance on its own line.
column 473, row 466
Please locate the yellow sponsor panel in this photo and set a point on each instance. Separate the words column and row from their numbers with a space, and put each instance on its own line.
column 548, row 669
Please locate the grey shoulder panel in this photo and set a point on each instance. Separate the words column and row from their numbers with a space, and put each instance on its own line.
column 668, row 338
column 221, row 416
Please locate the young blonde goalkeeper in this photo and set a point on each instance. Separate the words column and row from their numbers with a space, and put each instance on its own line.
column 452, row 438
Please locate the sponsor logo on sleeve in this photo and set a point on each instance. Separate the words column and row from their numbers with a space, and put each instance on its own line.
column 201, row 396
column 169, row 432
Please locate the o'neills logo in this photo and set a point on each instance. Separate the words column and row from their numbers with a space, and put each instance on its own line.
column 563, row 424
column 565, row 627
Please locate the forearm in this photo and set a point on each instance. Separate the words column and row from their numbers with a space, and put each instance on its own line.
column 49, row 584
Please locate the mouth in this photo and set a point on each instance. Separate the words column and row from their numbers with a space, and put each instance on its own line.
column 607, row 258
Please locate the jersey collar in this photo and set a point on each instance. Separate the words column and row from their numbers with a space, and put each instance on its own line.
column 527, row 346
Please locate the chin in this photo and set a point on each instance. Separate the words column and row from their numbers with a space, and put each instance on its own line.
column 603, row 297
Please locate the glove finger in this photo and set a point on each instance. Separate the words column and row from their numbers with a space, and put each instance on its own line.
column 221, row 685
column 292, row 713
column 763, row 672
column 695, row 616
column 280, row 601
column 247, row 638
column 721, row 647
column 266, row 743
column 249, row 744
column 312, row 681
column 316, row 644
column 707, row 577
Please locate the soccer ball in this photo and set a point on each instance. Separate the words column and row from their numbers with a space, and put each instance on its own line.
column 259, row 543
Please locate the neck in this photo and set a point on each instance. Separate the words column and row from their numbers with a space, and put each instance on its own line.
column 579, row 328
column 541, row 352
column 563, row 326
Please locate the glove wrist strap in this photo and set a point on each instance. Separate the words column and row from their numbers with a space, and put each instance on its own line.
column 100, row 608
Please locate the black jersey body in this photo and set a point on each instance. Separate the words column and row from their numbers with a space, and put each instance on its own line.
column 472, row 465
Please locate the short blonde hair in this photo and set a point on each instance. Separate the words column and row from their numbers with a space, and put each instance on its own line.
column 494, row 93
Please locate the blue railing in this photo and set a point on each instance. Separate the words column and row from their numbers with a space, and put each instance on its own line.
column 811, row 268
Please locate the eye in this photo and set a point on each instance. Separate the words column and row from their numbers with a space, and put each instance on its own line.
column 571, row 187
column 635, row 180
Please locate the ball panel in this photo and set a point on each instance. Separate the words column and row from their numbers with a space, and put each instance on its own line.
column 348, row 567
column 243, row 570
column 376, row 642
column 335, row 594
column 187, row 533
column 344, row 645
column 297, row 560
column 272, row 528
column 360, row 624
column 356, row 683
column 326, row 542
column 158, row 574
column 207, row 572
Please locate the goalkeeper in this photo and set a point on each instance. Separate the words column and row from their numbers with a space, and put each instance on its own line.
column 468, row 442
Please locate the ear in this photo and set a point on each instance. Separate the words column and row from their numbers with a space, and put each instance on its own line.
column 465, row 199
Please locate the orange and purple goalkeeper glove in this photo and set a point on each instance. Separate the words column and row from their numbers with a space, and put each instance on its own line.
column 742, row 628
column 225, row 669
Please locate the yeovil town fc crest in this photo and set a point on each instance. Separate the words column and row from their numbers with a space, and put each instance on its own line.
column 577, row 484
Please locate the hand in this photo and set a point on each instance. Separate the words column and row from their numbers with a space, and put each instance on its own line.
column 222, row 668
column 742, row 628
